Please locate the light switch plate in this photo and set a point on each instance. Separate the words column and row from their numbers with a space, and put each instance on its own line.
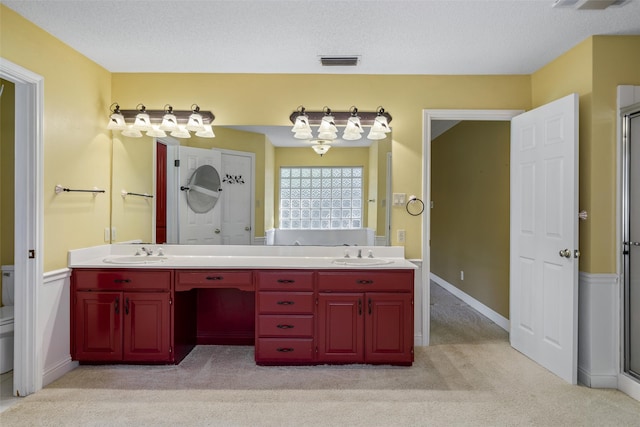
column 399, row 199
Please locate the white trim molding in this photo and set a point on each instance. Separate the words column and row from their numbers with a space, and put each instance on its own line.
column 489, row 313
column 598, row 352
column 29, row 240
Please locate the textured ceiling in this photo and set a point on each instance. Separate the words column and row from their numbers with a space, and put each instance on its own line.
column 273, row 36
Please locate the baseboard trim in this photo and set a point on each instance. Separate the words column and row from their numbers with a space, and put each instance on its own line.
column 596, row 381
column 495, row 317
column 58, row 370
column 629, row 386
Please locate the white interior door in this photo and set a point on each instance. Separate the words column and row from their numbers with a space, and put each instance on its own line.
column 197, row 228
column 544, row 236
column 236, row 199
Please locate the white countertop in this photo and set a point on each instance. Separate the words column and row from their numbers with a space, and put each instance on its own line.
column 238, row 257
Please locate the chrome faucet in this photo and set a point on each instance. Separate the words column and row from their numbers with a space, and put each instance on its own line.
column 359, row 253
column 147, row 251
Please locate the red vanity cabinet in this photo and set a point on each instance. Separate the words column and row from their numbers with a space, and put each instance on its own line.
column 365, row 317
column 121, row 315
column 285, row 314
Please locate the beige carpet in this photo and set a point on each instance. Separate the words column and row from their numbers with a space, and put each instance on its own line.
column 469, row 376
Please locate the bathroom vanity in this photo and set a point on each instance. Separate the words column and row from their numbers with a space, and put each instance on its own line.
column 297, row 305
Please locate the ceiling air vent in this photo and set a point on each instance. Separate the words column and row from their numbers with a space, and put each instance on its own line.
column 589, row 4
column 340, row 61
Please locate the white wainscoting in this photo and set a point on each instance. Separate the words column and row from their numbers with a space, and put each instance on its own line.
column 598, row 319
column 494, row 316
column 54, row 325
column 418, row 312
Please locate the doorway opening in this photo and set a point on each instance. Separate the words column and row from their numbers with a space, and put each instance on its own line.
column 429, row 120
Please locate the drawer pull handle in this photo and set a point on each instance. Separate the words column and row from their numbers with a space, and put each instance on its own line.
column 121, row 281
column 285, row 326
column 215, row 278
column 117, row 305
column 284, row 349
column 286, row 281
column 364, row 282
column 285, row 303
column 126, row 306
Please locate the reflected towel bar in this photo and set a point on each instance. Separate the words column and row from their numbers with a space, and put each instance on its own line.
column 59, row 189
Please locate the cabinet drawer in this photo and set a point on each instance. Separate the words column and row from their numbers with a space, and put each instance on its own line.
column 285, row 326
column 115, row 279
column 285, row 280
column 285, row 302
column 366, row 280
column 186, row 280
column 283, row 349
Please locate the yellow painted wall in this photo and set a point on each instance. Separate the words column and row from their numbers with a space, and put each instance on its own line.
column 77, row 147
column 348, row 156
column 269, row 99
column 594, row 69
column 616, row 61
column 133, row 171
column 7, row 156
column 470, row 217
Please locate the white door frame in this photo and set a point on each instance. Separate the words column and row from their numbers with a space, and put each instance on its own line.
column 428, row 115
column 29, row 150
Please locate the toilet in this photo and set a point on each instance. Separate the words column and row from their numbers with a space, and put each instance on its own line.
column 6, row 320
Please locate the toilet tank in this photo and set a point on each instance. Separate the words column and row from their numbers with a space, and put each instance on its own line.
column 7, row 285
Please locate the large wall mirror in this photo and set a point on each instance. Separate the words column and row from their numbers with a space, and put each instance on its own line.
column 134, row 171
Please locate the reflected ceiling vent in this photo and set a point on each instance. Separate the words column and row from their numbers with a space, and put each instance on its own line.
column 589, row 4
column 339, row 61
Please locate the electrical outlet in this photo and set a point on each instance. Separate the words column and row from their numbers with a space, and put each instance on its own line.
column 461, row 274
column 107, row 234
column 401, row 236
column 113, row 234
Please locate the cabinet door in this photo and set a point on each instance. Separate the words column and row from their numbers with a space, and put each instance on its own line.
column 146, row 326
column 341, row 327
column 98, row 326
column 389, row 328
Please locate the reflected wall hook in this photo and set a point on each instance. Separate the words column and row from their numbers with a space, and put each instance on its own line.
column 59, row 189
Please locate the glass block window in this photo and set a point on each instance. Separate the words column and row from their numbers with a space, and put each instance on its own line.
column 321, row 197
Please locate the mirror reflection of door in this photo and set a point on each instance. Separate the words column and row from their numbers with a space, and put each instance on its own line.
column 197, row 226
column 235, row 201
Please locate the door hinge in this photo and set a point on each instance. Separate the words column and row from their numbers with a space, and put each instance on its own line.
column 32, row 253
column 176, row 163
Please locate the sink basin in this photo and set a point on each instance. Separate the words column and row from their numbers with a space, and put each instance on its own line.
column 361, row 261
column 138, row 259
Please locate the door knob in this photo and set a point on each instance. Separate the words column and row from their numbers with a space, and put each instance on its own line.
column 217, row 231
column 566, row 253
column 247, row 228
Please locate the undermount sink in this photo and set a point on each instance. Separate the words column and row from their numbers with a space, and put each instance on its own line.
column 361, row 261
column 137, row 259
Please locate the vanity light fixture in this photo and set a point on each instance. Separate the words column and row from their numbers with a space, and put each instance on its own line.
column 321, row 147
column 157, row 123
column 328, row 122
